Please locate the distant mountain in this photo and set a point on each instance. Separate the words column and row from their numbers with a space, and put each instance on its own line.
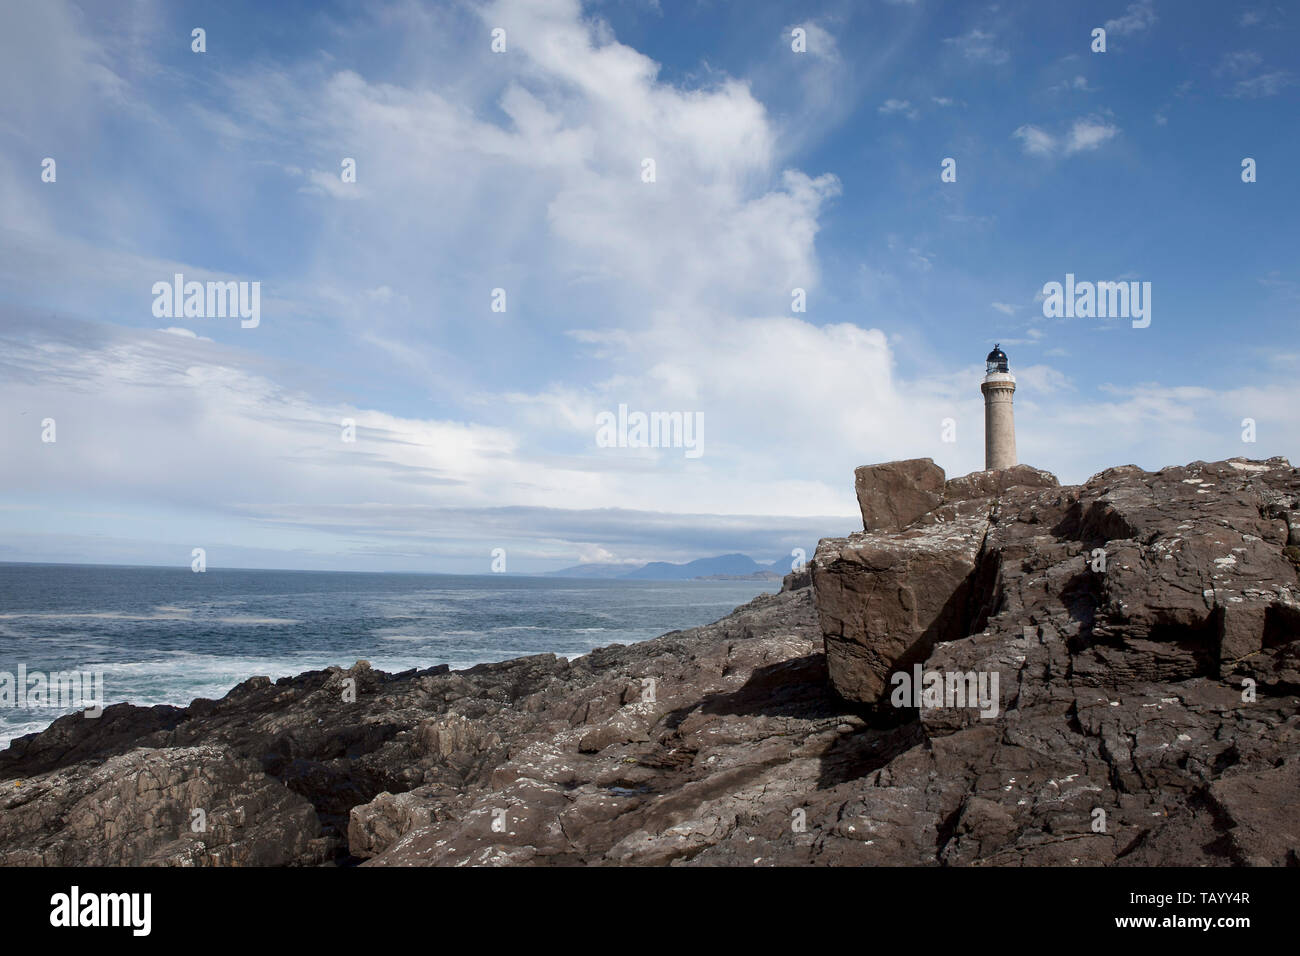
column 722, row 566
column 729, row 564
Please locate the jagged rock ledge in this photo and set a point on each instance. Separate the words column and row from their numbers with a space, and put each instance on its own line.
column 770, row 737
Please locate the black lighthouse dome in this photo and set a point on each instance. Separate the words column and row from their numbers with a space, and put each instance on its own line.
column 997, row 360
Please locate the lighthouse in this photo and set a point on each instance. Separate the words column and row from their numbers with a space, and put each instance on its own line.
column 999, row 420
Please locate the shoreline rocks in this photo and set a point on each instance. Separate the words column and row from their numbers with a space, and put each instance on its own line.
column 1143, row 628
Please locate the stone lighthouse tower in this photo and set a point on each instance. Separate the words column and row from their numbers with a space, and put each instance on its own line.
column 999, row 420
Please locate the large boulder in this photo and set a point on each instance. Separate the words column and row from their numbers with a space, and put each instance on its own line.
column 916, row 576
column 884, row 600
column 893, row 495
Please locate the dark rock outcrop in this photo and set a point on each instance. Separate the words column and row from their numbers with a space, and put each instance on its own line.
column 885, row 599
column 1160, row 576
column 1142, row 629
column 181, row 806
column 894, row 494
column 988, row 484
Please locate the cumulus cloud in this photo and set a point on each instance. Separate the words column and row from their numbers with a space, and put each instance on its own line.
column 477, row 429
column 567, row 131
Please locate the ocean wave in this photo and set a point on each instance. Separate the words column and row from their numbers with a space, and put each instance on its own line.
column 186, row 615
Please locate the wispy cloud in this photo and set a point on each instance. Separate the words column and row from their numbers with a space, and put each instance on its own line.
column 821, row 42
column 1265, row 84
column 897, row 107
column 979, row 47
column 1076, row 84
column 1237, row 63
column 522, row 171
column 1249, row 79
column 1136, row 18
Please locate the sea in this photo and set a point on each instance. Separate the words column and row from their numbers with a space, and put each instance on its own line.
column 169, row 635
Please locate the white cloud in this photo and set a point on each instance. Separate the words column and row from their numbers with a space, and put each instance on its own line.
column 332, row 185
column 1089, row 134
column 580, row 112
column 1036, row 141
column 979, row 47
column 527, row 177
column 1084, row 135
column 185, row 333
column 891, row 107
column 821, row 42
column 1136, row 18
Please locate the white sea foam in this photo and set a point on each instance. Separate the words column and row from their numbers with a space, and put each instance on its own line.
column 167, row 648
column 243, row 620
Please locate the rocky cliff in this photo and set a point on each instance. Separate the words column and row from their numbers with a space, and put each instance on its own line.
column 997, row 670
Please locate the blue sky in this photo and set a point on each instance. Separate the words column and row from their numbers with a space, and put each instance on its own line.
column 522, row 171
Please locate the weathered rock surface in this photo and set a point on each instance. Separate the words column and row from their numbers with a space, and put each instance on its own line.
column 1125, row 729
column 896, row 493
column 1162, row 576
column 885, row 599
column 986, row 484
column 183, row 806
